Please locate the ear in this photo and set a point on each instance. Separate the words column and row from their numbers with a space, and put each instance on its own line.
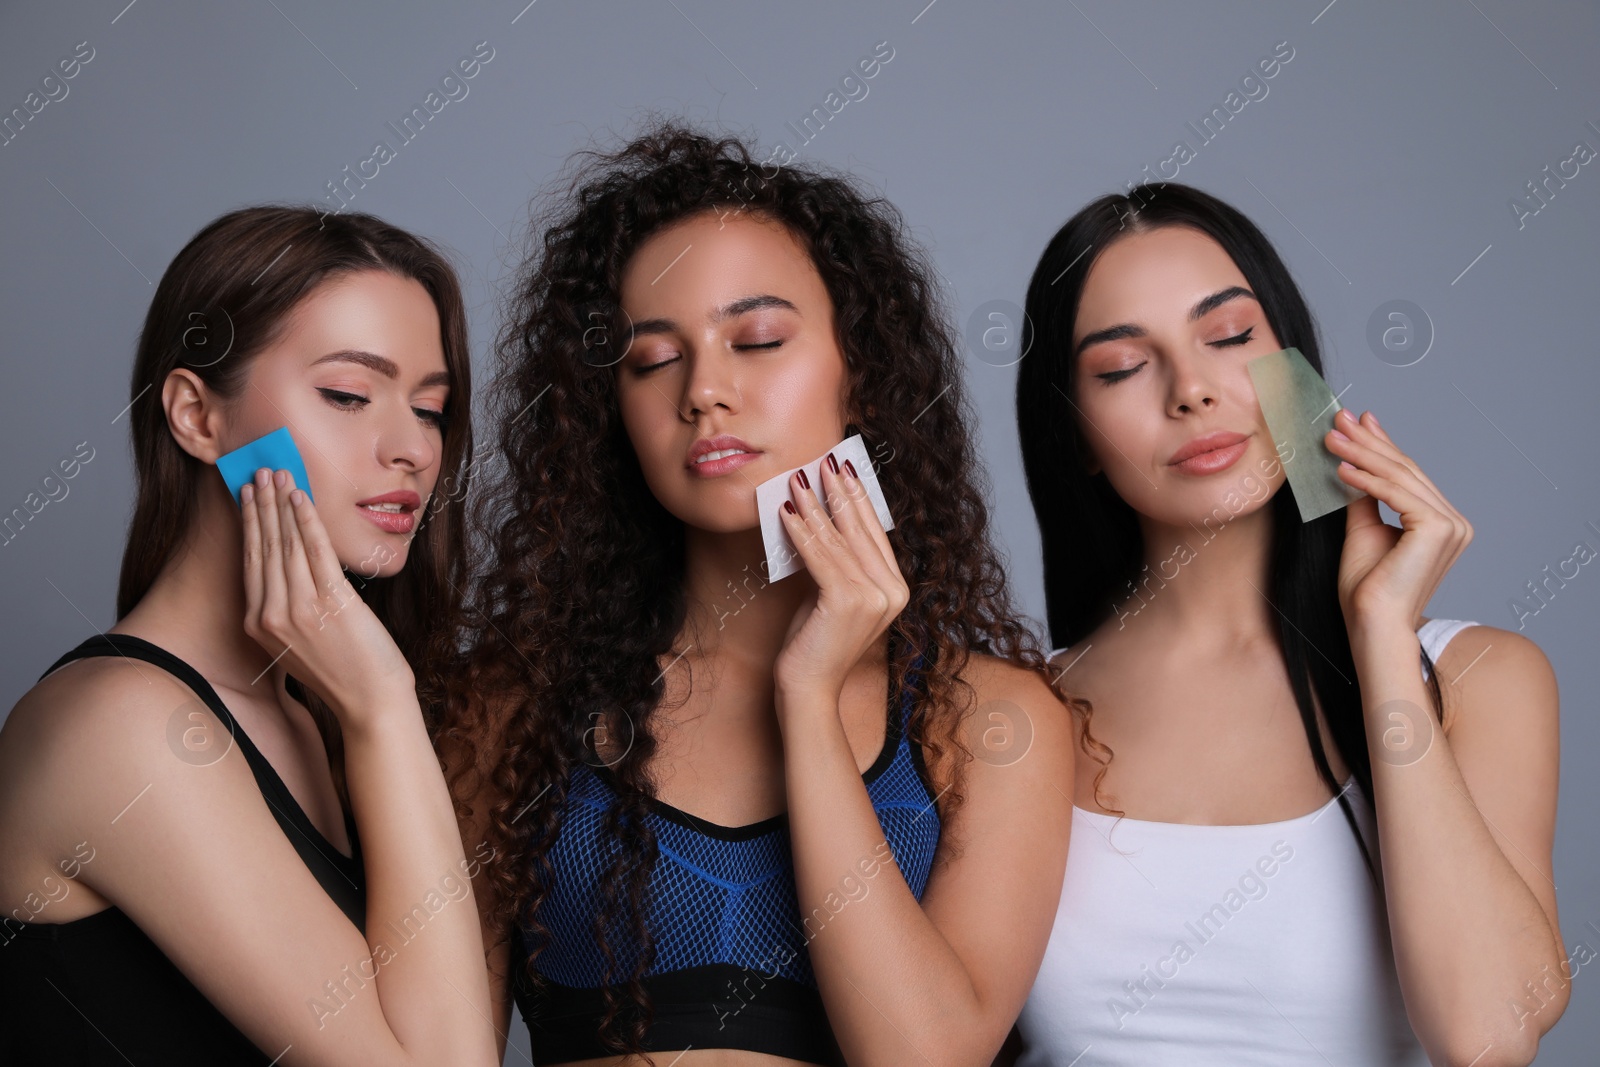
column 194, row 415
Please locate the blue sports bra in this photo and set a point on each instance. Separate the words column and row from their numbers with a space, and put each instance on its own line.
column 731, row 966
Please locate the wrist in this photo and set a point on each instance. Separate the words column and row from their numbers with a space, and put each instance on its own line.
column 804, row 701
column 1383, row 624
column 1379, row 640
column 379, row 712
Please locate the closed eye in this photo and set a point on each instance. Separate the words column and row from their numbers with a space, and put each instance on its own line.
column 647, row 368
column 1111, row 376
column 1236, row 339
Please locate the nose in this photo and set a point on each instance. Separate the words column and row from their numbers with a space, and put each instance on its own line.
column 407, row 441
column 711, row 383
column 1190, row 387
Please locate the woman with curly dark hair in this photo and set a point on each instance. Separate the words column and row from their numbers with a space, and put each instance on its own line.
column 710, row 835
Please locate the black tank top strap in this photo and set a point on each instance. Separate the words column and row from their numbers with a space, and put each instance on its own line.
column 340, row 875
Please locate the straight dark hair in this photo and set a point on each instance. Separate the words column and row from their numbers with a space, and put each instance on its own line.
column 227, row 296
column 1093, row 545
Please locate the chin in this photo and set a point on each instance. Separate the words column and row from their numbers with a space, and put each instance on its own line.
column 365, row 557
column 1219, row 509
column 730, row 518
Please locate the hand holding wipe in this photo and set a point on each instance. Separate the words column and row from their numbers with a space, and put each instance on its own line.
column 1299, row 409
column 783, row 559
column 275, row 451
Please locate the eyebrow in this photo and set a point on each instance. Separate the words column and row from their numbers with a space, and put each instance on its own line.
column 722, row 314
column 1200, row 310
column 382, row 364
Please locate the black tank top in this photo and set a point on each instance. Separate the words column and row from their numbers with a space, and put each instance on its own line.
column 96, row 990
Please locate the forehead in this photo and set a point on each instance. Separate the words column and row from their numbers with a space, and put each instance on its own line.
column 707, row 260
column 372, row 310
column 1155, row 276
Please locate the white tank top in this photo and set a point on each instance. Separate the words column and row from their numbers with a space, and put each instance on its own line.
column 1222, row 945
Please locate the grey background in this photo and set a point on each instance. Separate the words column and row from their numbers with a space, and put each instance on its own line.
column 1381, row 162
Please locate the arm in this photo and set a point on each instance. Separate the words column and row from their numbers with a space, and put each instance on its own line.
column 1465, row 816
column 193, row 855
column 946, row 977
column 475, row 828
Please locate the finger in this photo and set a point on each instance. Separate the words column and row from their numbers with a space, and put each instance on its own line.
column 1359, row 448
column 810, row 537
column 326, row 570
column 856, row 561
column 1370, row 420
column 851, row 554
column 857, row 519
column 1415, row 513
column 870, row 520
column 274, row 596
column 823, row 533
column 302, row 589
column 250, row 516
column 1364, row 431
column 1362, row 512
column 1365, row 434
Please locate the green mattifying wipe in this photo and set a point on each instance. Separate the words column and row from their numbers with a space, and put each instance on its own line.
column 1299, row 409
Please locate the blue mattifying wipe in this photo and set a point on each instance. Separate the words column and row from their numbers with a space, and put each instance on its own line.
column 275, row 451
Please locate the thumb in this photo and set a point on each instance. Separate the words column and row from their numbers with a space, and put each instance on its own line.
column 1362, row 511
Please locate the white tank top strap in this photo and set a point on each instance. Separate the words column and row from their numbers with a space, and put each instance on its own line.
column 1435, row 634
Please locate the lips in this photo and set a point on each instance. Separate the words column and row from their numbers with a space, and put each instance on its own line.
column 712, row 446
column 1210, row 442
column 394, row 512
column 406, row 500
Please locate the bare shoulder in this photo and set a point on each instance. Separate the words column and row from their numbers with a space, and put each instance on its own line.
column 79, row 750
column 1015, row 713
column 1498, row 680
column 994, row 678
column 92, row 723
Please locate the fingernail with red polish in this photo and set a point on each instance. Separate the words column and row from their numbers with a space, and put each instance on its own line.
column 805, row 483
column 833, row 464
column 788, row 505
column 851, row 467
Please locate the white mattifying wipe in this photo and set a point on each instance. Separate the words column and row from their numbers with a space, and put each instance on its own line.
column 783, row 559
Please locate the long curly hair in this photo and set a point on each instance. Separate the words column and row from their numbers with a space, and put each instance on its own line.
column 582, row 599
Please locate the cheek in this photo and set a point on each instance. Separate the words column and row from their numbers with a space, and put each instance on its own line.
column 1119, row 428
column 799, row 403
column 647, row 419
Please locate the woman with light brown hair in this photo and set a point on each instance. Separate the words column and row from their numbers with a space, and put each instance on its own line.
column 227, row 837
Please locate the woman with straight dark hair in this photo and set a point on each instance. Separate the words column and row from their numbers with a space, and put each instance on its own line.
column 227, row 836
column 742, row 820
column 1249, row 673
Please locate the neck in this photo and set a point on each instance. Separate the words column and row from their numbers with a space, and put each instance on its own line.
column 196, row 605
column 1207, row 580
